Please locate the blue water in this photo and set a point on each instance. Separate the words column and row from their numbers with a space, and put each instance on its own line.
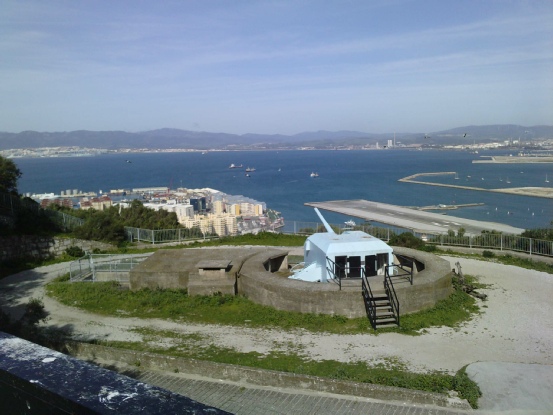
column 343, row 175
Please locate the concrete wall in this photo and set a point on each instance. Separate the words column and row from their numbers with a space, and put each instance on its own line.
column 21, row 246
column 37, row 380
column 129, row 359
column 283, row 293
column 431, row 284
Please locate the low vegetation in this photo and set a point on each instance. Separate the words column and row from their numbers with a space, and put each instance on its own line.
column 540, row 233
column 107, row 298
column 260, row 239
column 507, row 259
column 388, row 373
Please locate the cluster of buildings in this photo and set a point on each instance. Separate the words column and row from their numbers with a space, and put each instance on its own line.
column 211, row 211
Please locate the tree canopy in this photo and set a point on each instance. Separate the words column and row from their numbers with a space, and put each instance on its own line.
column 9, row 174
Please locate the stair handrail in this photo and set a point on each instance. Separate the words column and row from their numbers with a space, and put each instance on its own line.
column 368, row 299
column 330, row 269
column 408, row 272
column 391, row 293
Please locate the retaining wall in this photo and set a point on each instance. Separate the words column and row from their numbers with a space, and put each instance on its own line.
column 22, row 246
column 130, row 359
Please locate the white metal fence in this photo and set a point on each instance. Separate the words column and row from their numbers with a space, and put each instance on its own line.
column 116, row 267
column 484, row 241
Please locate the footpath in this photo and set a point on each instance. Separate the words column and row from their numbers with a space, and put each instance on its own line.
column 509, row 386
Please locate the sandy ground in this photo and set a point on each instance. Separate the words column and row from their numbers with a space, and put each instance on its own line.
column 516, row 325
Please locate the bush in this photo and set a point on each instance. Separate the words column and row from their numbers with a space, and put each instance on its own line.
column 488, row 254
column 75, row 251
column 407, row 240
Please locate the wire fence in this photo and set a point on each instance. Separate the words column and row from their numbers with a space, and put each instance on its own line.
column 104, row 267
column 11, row 205
column 484, row 241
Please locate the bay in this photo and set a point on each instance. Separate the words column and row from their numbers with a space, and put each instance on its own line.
column 282, row 179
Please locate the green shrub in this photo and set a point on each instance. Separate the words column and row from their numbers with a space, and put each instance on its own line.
column 488, row 254
column 467, row 388
column 407, row 240
column 75, row 251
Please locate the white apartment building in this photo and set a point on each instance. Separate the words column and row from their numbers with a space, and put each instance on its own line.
column 251, row 209
column 221, row 224
column 183, row 211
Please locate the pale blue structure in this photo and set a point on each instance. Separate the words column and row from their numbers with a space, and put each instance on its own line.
column 349, row 255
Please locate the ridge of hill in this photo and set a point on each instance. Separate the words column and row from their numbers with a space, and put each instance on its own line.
column 167, row 138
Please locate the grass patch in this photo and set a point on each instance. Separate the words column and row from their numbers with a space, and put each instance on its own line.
column 525, row 263
column 108, row 298
column 262, row 238
column 467, row 388
column 385, row 374
column 506, row 259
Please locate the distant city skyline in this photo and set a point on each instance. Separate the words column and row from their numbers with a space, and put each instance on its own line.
column 275, row 67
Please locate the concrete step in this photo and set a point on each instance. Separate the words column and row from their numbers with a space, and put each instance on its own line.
column 385, row 320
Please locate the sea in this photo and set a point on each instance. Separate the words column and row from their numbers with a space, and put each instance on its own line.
column 282, row 179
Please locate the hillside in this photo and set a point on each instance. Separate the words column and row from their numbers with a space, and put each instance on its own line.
column 166, row 138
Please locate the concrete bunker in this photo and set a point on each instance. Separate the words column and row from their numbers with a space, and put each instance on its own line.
column 345, row 262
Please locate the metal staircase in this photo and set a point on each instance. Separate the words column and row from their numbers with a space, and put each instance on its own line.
column 382, row 306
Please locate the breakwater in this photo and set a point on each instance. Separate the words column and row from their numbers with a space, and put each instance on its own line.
column 545, row 192
column 517, row 159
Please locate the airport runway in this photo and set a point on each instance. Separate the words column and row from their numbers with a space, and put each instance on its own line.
column 416, row 220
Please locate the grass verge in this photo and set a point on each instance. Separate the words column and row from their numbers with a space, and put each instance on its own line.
column 389, row 373
column 505, row 259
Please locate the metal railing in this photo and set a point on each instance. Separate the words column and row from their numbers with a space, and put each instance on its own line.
column 494, row 241
column 331, row 268
column 368, row 300
column 63, row 220
column 90, row 266
column 163, row 236
column 338, row 272
column 484, row 241
column 11, row 205
column 402, row 270
column 392, row 296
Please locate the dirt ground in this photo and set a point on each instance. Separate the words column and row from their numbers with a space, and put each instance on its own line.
column 516, row 325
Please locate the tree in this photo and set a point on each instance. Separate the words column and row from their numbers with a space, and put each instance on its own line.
column 9, row 174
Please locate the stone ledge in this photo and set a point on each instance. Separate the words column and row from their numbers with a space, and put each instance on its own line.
column 256, row 377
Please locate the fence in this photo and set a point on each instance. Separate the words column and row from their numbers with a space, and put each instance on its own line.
column 91, row 266
column 164, row 235
column 10, row 205
column 484, row 241
column 494, row 241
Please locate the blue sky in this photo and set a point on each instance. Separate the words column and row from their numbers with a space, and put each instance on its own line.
column 274, row 66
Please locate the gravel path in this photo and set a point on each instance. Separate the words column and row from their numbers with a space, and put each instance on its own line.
column 516, row 325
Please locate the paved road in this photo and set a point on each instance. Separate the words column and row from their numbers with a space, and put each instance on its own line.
column 247, row 400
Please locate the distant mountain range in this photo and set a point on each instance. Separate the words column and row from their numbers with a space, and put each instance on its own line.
column 167, row 138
